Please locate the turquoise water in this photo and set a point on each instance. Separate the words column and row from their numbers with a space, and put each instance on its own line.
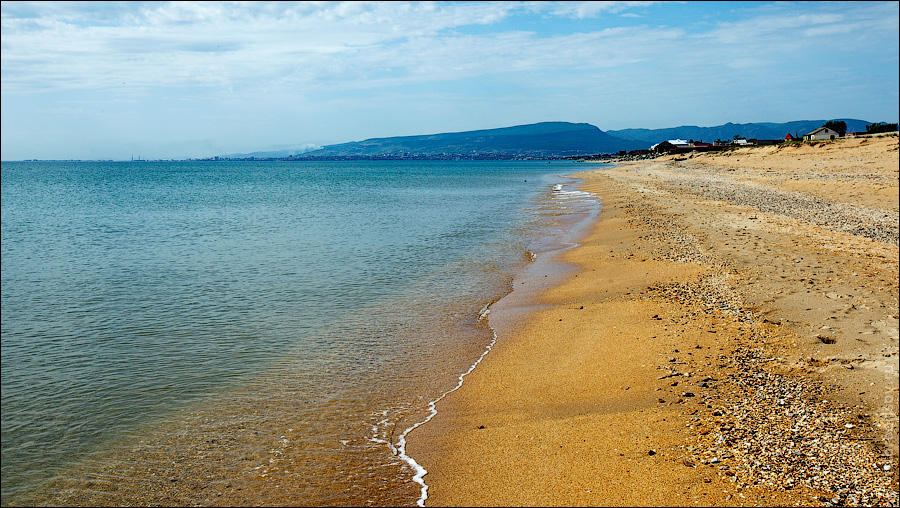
column 154, row 313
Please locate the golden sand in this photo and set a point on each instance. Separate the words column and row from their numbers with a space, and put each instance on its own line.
column 697, row 266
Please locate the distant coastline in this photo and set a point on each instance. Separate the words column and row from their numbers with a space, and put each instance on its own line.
column 540, row 141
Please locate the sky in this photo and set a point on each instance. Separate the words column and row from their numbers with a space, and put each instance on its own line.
column 174, row 80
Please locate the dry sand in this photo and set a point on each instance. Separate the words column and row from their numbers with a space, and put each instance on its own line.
column 730, row 338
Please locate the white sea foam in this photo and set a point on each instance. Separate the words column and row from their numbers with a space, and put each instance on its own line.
column 401, row 441
column 574, row 194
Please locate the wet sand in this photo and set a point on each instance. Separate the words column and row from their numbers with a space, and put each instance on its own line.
column 729, row 337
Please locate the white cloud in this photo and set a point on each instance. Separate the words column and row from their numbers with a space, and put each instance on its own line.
column 795, row 30
column 590, row 9
column 328, row 44
column 185, row 43
column 317, row 63
column 56, row 45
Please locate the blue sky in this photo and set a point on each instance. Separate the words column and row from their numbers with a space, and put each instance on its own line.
column 105, row 80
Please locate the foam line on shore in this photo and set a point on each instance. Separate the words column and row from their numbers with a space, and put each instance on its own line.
column 401, row 441
column 400, row 449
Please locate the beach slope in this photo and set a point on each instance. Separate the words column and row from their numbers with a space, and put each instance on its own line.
column 730, row 337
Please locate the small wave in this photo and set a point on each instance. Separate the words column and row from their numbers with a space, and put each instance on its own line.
column 401, row 441
column 574, row 194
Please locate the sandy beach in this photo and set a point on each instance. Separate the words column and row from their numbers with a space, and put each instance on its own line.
column 729, row 337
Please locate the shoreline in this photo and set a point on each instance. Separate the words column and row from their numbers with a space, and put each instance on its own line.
column 543, row 271
column 686, row 362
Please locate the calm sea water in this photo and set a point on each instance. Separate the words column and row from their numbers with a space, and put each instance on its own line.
column 247, row 333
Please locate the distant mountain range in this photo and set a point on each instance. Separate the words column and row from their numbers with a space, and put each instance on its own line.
column 539, row 140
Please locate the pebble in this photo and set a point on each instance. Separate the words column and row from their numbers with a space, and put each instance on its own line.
column 881, row 225
column 782, row 432
column 771, row 430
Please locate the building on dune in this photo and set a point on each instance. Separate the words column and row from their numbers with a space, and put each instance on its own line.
column 821, row 133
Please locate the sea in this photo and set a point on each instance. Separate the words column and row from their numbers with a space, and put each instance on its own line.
column 258, row 332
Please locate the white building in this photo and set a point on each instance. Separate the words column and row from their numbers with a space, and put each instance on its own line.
column 821, row 133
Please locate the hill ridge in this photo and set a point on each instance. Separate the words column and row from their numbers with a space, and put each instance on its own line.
column 542, row 139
